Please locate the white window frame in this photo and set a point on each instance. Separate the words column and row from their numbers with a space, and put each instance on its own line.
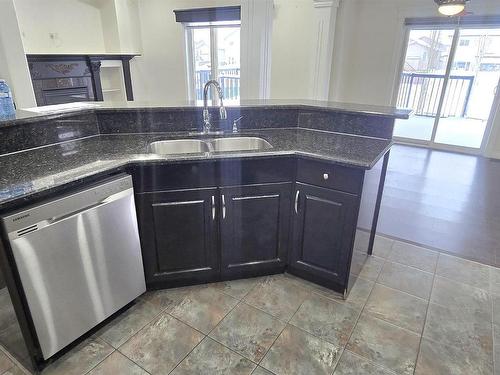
column 397, row 79
column 190, row 65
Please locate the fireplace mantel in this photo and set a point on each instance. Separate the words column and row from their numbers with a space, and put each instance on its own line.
column 65, row 78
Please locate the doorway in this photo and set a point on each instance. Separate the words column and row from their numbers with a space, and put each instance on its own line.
column 450, row 78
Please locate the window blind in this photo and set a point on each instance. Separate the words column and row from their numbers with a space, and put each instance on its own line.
column 492, row 20
column 229, row 13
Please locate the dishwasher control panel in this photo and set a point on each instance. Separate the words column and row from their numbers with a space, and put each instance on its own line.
column 25, row 220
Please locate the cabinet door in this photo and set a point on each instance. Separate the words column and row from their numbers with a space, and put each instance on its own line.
column 254, row 229
column 179, row 236
column 323, row 228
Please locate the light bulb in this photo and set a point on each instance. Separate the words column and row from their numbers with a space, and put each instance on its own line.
column 451, row 9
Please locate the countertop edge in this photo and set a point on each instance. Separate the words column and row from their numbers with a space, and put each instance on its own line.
column 30, row 117
column 9, row 204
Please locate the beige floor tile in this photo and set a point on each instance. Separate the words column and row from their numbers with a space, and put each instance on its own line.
column 203, row 309
column 459, row 328
column 296, row 352
column 210, row 357
column 407, row 279
column 398, row 308
column 80, row 359
column 439, row 359
column 463, row 271
column 382, row 246
column 278, row 296
column 5, row 363
column 326, row 319
column 456, row 295
column 386, row 344
column 248, row 331
column 365, row 266
column 414, row 256
column 129, row 323
column 161, row 345
column 352, row 364
column 236, row 288
column 117, row 363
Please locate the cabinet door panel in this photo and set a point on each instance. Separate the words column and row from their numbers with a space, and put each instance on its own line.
column 254, row 229
column 323, row 229
column 179, row 236
column 174, row 225
column 321, row 219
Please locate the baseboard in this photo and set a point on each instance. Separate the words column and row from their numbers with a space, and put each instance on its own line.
column 494, row 155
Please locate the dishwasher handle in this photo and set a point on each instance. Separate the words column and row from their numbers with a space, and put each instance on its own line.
column 105, row 201
column 49, row 221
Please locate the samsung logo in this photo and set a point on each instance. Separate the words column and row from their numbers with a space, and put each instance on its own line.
column 20, row 217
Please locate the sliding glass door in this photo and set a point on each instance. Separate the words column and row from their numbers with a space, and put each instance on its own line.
column 449, row 79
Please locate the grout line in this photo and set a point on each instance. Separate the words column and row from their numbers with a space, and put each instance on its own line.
column 99, row 362
column 403, row 292
column 425, row 321
column 15, row 362
column 436, row 250
column 207, row 335
column 141, row 327
column 134, row 362
column 187, row 355
column 356, row 324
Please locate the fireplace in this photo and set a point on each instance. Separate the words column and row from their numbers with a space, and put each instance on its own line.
column 59, row 79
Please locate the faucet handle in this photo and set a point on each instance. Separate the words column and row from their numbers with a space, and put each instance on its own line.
column 235, row 124
column 223, row 113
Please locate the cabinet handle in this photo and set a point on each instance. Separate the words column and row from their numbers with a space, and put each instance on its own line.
column 297, row 201
column 213, row 207
column 223, row 207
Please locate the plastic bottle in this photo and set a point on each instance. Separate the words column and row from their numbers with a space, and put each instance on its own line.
column 7, row 109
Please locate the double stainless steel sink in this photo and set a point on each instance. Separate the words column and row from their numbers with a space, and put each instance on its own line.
column 193, row 146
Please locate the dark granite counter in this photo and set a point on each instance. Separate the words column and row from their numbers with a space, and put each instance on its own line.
column 49, row 112
column 42, row 169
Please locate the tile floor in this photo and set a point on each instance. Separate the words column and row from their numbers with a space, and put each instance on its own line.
column 411, row 311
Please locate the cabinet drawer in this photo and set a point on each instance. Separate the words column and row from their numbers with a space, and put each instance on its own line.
column 169, row 176
column 237, row 172
column 330, row 176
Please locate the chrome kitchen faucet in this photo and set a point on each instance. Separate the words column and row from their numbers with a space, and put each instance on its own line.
column 206, row 114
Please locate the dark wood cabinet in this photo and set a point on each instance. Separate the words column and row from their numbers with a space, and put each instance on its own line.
column 179, row 231
column 254, row 224
column 220, row 220
column 324, row 222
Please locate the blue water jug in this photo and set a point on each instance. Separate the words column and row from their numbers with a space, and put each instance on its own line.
column 7, row 109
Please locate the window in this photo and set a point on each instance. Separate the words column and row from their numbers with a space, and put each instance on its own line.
column 461, row 65
column 213, row 52
column 464, row 42
column 489, row 67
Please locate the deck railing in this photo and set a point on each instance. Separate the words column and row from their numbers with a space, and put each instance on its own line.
column 229, row 80
column 422, row 92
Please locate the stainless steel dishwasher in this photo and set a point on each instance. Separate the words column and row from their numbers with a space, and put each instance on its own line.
column 79, row 260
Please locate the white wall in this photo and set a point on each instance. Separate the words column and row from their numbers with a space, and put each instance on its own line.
column 369, row 45
column 493, row 146
column 163, row 49
column 291, row 69
column 128, row 25
column 76, row 24
column 13, row 64
column 160, row 73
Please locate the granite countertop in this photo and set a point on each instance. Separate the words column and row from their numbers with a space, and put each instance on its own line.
column 48, row 112
column 37, row 170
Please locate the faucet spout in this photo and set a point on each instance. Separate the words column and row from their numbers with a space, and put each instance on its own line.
column 207, row 124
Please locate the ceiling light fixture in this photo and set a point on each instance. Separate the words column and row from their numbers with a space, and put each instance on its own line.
column 451, row 7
